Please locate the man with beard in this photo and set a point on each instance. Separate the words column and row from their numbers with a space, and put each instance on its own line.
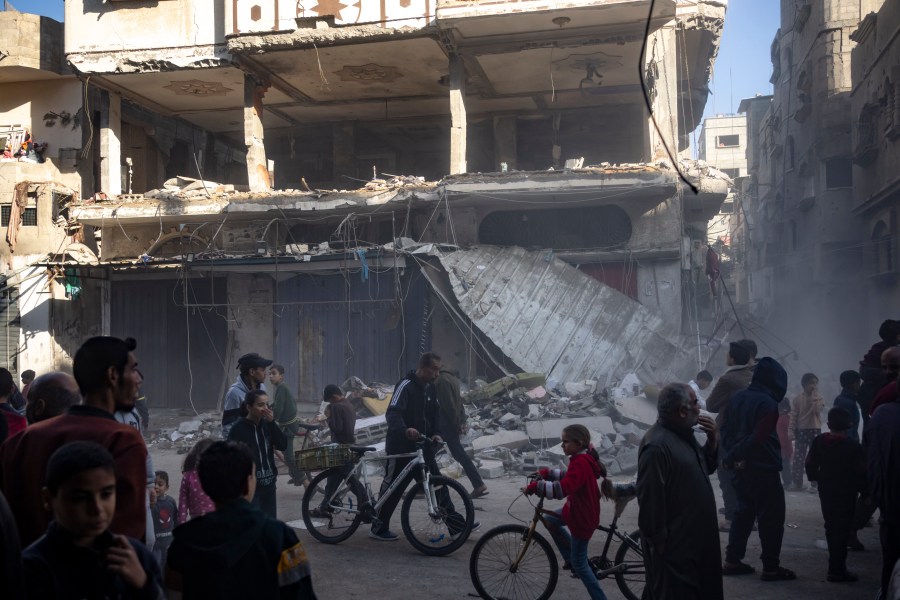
column 107, row 375
column 677, row 506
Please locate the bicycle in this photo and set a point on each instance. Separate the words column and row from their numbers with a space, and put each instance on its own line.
column 515, row 562
column 427, row 515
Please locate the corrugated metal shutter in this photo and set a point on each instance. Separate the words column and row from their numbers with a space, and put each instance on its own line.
column 342, row 327
column 12, row 327
column 180, row 351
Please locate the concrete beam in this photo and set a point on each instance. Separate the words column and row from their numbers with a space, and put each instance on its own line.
column 457, row 115
column 111, row 143
column 254, row 136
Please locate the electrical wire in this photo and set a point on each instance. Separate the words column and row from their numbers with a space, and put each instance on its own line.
column 641, row 60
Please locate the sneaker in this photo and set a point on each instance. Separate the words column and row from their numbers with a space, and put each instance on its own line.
column 845, row 577
column 385, row 535
column 455, row 536
column 319, row 513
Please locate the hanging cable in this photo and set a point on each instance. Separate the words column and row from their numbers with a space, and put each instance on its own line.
column 649, row 104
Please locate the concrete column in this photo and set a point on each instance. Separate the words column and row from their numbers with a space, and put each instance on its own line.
column 254, row 136
column 505, row 133
column 111, row 143
column 343, row 151
column 457, row 115
column 661, row 76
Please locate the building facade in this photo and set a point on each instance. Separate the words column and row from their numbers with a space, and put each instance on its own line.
column 875, row 108
column 343, row 170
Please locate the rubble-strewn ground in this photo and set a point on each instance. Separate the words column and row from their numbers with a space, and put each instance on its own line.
column 364, row 568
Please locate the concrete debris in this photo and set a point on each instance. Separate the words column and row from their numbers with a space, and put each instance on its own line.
column 515, row 422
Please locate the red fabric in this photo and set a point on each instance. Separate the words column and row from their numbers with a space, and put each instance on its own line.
column 787, row 446
column 886, row 394
column 582, row 510
column 23, row 462
column 14, row 423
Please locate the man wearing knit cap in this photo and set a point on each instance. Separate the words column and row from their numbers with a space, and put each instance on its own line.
column 252, row 374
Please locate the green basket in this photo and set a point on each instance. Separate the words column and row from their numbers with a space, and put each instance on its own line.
column 324, row 457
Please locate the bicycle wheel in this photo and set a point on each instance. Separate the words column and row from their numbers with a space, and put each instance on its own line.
column 633, row 575
column 490, row 565
column 441, row 533
column 336, row 522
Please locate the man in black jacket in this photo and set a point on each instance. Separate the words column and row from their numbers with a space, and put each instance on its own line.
column 752, row 451
column 413, row 413
column 452, row 424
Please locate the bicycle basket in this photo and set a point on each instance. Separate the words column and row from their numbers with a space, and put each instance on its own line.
column 324, row 457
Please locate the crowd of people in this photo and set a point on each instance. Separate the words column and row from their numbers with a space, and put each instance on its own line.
column 83, row 513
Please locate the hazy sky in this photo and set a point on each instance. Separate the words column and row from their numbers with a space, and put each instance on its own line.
column 742, row 69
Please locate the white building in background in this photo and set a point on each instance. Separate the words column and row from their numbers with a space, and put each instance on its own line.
column 723, row 144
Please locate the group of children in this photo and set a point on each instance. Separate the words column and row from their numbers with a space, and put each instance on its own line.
column 226, row 526
column 206, row 557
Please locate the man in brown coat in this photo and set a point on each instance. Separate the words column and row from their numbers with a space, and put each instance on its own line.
column 736, row 378
column 452, row 423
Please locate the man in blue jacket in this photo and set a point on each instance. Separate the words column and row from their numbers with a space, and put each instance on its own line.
column 753, row 452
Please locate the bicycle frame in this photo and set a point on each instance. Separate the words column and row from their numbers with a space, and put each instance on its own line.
column 610, row 530
column 362, row 476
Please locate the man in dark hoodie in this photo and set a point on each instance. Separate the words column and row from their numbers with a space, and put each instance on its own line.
column 252, row 373
column 412, row 413
column 753, row 453
column 236, row 551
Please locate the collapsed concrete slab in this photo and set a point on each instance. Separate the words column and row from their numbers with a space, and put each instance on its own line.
column 551, row 429
column 548, row 317
column 504, row 439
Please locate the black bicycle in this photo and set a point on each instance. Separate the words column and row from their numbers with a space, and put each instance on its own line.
column 515, row 562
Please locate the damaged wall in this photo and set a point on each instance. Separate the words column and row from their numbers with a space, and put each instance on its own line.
column 145, row 25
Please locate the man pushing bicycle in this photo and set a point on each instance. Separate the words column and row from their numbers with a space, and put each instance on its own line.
column 412, row 413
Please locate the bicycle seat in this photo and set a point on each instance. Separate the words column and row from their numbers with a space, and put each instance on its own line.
column 309, row 426
column 362, row 449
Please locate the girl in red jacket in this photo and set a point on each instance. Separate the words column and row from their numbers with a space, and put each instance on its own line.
column 581, row 512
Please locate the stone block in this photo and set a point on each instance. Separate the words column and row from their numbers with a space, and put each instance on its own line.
column 612, row 467
column 538, row 393
column 491, row 469
column 190, row 426
column 504, row 439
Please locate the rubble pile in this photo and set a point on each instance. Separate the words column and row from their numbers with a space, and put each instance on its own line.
column 188, row 433
column 515, row 423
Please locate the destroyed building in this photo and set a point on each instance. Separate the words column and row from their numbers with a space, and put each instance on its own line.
column 503, row 198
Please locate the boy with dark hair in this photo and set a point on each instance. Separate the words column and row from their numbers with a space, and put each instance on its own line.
column 165, row 517
column 699, row 383
column 341, row 418
column 79, row 557
column 838, row 464
column 235, row 551
column 848, row 398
